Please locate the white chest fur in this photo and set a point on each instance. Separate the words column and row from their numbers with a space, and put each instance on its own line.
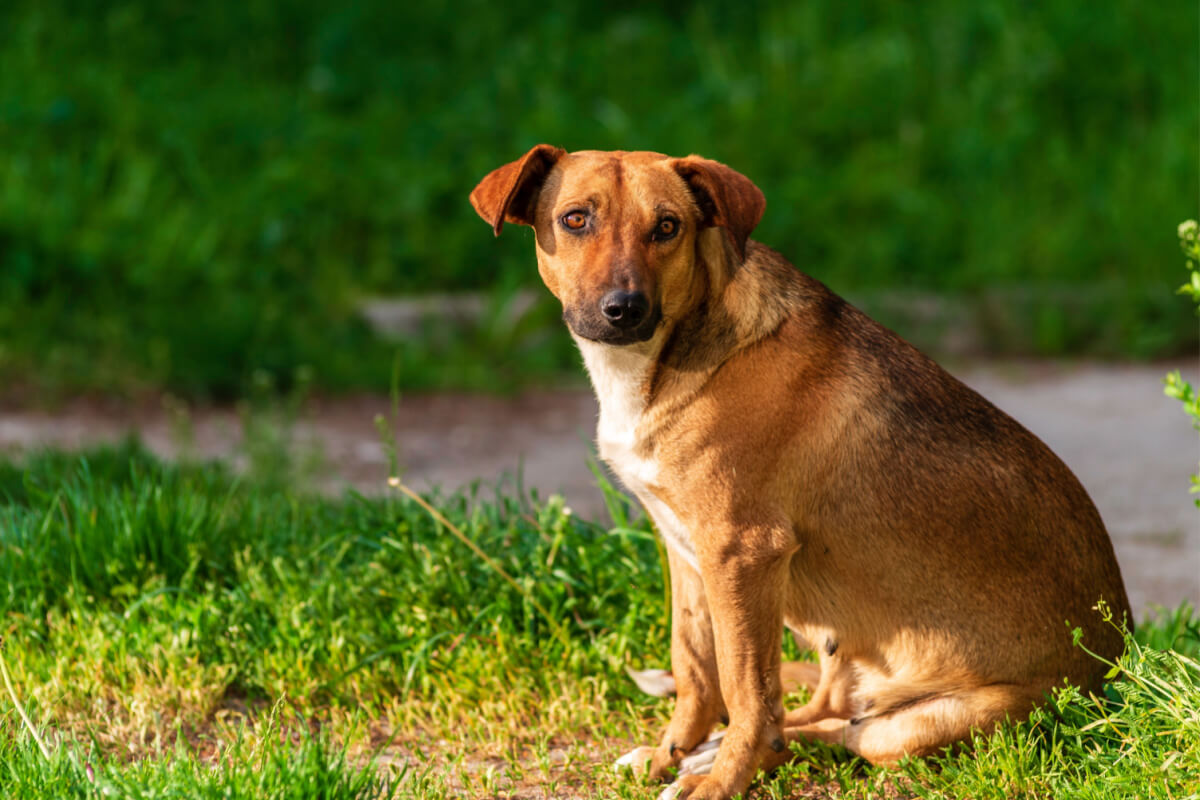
column 619, row 376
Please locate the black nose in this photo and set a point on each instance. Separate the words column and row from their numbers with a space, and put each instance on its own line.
column 624, row 309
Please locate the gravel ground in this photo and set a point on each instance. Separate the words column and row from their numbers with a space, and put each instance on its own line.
column 1130, row 446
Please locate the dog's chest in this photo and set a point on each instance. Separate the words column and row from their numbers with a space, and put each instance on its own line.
column 619, row 379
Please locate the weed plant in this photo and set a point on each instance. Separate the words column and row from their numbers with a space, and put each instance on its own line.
column 1175, row 386
column 178, row 631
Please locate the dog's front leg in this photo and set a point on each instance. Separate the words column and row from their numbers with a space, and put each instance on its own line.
column 743, row 580
column 698, row 703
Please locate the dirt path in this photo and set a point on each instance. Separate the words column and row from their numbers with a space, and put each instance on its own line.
column 1131, row 446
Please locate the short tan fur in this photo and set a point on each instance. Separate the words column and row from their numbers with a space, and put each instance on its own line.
column 809, row 469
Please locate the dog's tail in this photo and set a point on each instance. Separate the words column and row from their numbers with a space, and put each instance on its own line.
column 654, row 682
column 793, row 675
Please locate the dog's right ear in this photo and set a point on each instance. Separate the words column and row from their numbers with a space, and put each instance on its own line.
column 509, row 194
column 726, row 197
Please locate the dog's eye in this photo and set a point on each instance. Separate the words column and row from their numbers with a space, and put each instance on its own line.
column 575, row 220
column 667, row 227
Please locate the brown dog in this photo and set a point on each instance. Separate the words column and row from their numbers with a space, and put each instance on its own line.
column 807, row 468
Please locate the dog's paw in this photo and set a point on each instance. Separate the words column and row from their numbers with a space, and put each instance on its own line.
column 683, row 788
column 654, row 682
column 700, row 760
column 637, row 760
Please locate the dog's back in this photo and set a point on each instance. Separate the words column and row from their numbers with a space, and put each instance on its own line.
column 922, row 508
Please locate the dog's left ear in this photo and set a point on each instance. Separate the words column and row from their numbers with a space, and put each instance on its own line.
column 727, row 198
column 509, row 194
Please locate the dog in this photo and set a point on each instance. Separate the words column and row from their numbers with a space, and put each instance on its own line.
column 808, row 469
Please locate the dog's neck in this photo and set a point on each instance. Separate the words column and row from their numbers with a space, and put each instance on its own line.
column 684, row 352
column 621, row 378
column 736, row 312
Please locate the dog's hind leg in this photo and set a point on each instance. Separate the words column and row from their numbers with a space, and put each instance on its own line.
column 926, row 726
column 919, row 728
column 654, row 682
column 923, row 726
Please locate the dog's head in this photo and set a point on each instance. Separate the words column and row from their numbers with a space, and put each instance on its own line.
column 625, row 240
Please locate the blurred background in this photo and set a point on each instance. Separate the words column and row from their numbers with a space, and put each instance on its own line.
column 197, row 195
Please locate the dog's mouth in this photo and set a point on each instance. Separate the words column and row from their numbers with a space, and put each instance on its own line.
column 595, row 328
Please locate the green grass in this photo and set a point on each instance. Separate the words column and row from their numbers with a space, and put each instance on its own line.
column 300, row 768
column 182, row 632
column 192, row 193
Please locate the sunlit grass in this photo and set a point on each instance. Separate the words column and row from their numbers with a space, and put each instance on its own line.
column 177, row 631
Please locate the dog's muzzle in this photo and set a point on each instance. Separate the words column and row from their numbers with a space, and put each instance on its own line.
column 625, row 310
column 621, row 317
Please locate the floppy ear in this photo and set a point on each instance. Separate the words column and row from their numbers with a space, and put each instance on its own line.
column 727, row 198
column 508, row 194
